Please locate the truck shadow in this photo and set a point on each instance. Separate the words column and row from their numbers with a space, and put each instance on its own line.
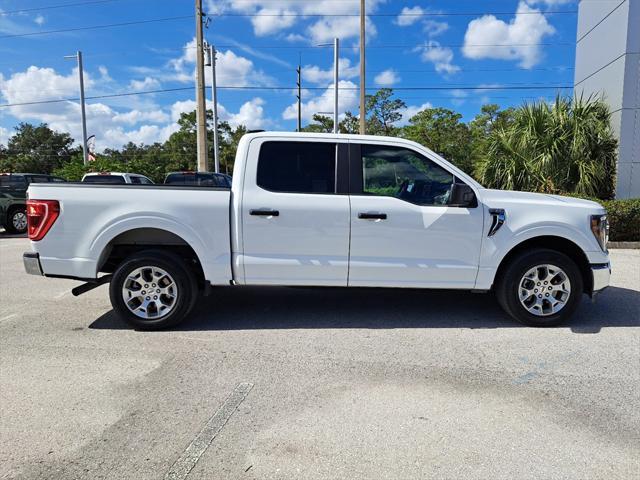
column 259, row 308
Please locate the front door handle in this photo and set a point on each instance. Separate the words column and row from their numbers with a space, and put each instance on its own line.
column 372, row 216
column 264, row 212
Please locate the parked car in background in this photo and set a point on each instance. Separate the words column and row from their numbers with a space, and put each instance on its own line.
column 322, row 210
column 13, row 198
column 201, row 179
column 116, row 178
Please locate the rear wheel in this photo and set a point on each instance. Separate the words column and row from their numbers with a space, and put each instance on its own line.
column 540, row 288
column 152, row 290
column 17, row 220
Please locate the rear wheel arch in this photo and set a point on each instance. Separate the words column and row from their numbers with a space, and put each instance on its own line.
column 550, row 242
column 130, row 242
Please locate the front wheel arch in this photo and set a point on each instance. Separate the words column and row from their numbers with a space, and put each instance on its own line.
column 550, row 242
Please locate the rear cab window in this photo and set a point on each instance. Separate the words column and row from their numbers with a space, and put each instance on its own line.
column 105, row 179
column 297, row 167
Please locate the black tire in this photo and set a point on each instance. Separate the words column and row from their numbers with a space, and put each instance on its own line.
column 186, row 289
column 508, row 287
column 12, row 220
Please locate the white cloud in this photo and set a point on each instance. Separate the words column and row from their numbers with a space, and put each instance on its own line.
column 4, row 135
column 295, row 37
column 280, row 15
column 231, row 69
column 516, row 40
column 39, row 20
column 411, row 111
column 328, row 28
column 271, row 20
column 314, row 74
column 148, row 83
column 347, row 100
column 250, row 114
column 179, row 107
column 409, row 16
column 137, row 116
column 441, row 57
column 386, row 78
column 433, row 28
column 102, row 120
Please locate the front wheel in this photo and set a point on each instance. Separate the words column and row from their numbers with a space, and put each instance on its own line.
column 540, row 288
column 152, row 290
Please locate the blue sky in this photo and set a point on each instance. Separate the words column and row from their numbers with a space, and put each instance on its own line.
column 450, row 46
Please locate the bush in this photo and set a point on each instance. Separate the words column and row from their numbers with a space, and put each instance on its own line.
column 624, row 219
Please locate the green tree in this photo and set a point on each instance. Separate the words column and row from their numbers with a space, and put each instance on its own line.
column 322, row 124
column 564, row 147
column 36, row 149
column 383, row 112
column 442, row 131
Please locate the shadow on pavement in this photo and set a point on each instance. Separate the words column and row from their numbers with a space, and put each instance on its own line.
column 5, row 234
column 255, row 308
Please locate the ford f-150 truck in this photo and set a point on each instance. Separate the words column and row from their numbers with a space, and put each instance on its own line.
column 320, row 210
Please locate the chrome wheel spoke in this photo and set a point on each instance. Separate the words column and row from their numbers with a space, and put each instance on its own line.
column 544, row 290
column 149, row 292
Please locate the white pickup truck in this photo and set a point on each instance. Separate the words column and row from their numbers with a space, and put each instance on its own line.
column 320, row 210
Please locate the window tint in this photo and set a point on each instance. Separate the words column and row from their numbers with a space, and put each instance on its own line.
column 145, row 181
column 104, row 179
column 40, row 179
column 13, row 181
column 136, row 180
column 297, row 167
column 404, row 174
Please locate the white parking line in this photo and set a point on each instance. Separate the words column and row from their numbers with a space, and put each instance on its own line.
column 181, row 468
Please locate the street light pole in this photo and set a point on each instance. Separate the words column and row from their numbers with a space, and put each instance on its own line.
column 214, row 99
column 336, row 78
column 83, row 113
column 363, row 106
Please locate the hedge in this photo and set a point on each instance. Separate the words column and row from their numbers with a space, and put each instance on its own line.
column 624, row 219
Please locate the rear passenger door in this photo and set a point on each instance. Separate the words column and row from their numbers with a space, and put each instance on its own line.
column 295, row 213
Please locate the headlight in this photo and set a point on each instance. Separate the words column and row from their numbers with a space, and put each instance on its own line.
column 600, row 229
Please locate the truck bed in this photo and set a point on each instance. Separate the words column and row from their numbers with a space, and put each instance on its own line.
column 93, row 218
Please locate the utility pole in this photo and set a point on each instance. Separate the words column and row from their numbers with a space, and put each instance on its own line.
column 201, row 109
column 85, row 153
column 211, row 61
column 336, row 78
column 363, row 106
column 299, row 96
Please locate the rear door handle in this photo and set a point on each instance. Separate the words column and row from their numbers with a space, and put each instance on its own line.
column 372, row 216
column 264, row 212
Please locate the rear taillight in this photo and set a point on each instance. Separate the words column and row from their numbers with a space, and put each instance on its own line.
column 41, row 215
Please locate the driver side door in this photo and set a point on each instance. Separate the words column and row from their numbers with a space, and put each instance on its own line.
column 403, row 232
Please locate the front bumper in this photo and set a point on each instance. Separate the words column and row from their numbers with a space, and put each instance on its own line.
column 31, row 262
column 601, row 276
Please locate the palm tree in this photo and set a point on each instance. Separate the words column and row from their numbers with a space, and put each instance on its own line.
column 563, row 147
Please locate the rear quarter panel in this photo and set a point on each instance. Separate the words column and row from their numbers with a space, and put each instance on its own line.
column 93, row 215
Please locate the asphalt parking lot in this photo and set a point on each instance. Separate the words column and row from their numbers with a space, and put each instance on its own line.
column 290, row 383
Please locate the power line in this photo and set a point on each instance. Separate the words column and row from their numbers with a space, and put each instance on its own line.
column 52, row 7
column 96, row 27
column 272, row 88
column 436, row 14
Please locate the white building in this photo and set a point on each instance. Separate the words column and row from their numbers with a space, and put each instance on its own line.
column 608, row 63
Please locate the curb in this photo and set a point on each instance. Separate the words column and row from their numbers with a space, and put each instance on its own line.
column 627, row 245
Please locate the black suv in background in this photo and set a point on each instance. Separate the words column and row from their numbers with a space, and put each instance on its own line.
column 198, row 179
column 13, row 198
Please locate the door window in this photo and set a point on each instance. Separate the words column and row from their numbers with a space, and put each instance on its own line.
column 297, row 167
column 404, row 174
